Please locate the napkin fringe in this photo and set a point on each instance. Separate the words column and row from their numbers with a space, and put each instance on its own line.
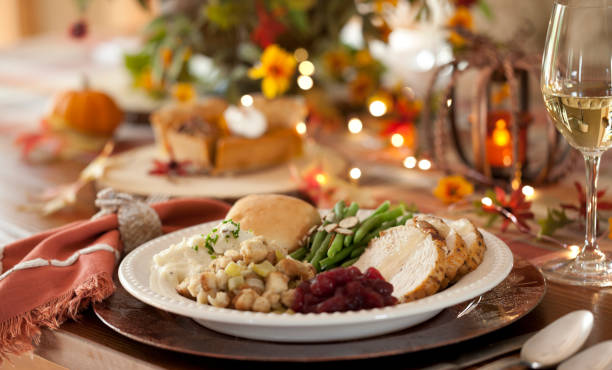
column 20, row 334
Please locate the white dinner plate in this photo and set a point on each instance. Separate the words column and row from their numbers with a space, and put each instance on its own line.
column 135, row 269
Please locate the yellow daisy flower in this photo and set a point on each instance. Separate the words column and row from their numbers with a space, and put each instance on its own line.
column 276, row 69
column 452, row 189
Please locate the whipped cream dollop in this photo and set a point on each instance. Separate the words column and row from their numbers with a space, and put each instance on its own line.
column 245, row 121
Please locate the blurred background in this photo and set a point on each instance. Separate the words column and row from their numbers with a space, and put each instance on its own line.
column 23, row 19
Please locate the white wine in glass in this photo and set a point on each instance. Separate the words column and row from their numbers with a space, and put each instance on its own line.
column 577, row 88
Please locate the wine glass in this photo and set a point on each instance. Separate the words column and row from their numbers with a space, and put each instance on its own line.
column 577, row 87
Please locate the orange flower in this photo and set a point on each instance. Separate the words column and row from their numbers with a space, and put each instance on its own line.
column 276, row 69
column 452, row 189
column 461, row 19
column 183, row 92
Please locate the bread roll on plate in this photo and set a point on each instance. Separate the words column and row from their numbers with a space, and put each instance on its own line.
column 281, row 218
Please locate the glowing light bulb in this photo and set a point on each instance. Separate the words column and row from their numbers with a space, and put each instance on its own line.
column 397, row 140
column 246, row 100
column 487, row 202
column 528, row 191
column 300, row 54
column 321, row 179
column 305, row 82
column 377, row 108
column 301, row 128
column 355, row 126
column 306, row 68
column 355, row 173
column 449, row 102
column 410, row 162
column 424, row 164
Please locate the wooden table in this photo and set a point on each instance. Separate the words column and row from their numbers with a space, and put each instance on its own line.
column 91, row 345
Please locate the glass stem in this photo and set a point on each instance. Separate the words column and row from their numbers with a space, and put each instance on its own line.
column 590, row 252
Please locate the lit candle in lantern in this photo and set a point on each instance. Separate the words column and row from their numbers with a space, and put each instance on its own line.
column 499, row 140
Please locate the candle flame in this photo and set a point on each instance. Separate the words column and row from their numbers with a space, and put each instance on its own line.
column 501, row 135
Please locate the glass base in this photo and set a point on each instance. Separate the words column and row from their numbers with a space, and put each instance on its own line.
column 576, row 271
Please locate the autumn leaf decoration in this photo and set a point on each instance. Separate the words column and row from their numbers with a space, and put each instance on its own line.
column 555, row 219
column 581, row 207
column 513, row 208
column 558, row 218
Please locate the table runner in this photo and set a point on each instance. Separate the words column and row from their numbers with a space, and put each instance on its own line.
column 50, row 277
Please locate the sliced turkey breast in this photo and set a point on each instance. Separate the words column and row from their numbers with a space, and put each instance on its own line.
column 456, row 252
column 410, row 257
column 474, row 243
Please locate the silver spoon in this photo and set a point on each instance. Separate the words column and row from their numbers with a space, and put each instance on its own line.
column 553, row 344
column 598, row 357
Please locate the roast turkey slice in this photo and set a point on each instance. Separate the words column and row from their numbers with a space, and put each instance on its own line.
column 411, row 257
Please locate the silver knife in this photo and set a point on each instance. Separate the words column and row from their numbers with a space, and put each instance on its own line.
column 481, row 354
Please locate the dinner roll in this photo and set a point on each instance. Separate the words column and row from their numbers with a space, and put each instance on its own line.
column 281, row 218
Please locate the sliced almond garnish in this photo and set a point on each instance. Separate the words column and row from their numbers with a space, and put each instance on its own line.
column 342, row 230
column 331, row 216
column 349, row 222
column 312, row 230
column 331, row 227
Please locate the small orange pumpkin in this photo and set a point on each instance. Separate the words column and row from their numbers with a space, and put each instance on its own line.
column 86, row 111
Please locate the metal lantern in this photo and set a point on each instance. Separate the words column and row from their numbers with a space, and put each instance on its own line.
column 497, row 151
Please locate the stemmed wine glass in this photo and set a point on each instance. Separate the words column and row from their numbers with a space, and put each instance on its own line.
column 577, row 87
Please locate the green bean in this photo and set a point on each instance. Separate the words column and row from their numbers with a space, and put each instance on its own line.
column 376, row 221
column 336, row 245
column 366, row 227
column 406, row 217
column 383, row 207
column 349, row 262
column 371, row 223
column 376, row 232
column 298, row 254
column 321, row 252
column 331, row 261
column 348, row 240
column 339, row 210
column 358, row 251
column 351, row 210
column 316, row 243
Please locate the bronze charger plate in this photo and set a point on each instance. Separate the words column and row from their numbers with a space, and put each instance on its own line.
column 512, row 299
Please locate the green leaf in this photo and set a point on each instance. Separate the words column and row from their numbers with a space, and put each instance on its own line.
column 299, row 19
column 178, row 61
column 555, row 219
column 136, row 63
column 301, row 5
column 485, row 9
column 491, row 220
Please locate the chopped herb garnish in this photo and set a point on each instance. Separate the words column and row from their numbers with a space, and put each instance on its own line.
column 196, row 247
column 235, row 232
column 210, row 243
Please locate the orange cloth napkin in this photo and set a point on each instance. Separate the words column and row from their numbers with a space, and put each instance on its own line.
column 50, row 277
